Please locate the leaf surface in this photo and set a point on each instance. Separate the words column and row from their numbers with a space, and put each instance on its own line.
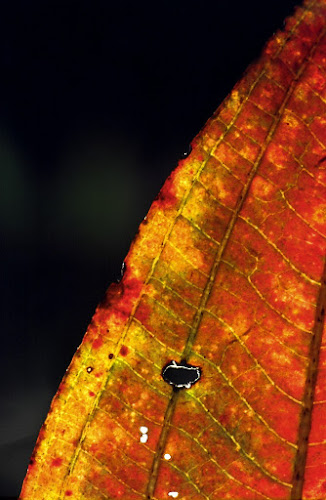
column 226, row 274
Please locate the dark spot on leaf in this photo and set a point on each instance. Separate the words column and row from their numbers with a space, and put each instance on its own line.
column 181, row 375
column 320, row 162
column 124, row 350
column 68, row 493
column 89, row 369
column 110, row 355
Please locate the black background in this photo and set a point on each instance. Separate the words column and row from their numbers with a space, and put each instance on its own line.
column 99, row 100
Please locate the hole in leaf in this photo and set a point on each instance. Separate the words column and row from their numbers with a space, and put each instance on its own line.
column 122, row 272
column 181, row 375
column 188, row 151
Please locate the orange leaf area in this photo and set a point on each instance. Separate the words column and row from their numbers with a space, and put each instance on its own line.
column 226, row 274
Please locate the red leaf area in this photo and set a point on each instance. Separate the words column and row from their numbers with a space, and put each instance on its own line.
column 227, row 273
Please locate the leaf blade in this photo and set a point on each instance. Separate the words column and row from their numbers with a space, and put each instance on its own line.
column 213, row 254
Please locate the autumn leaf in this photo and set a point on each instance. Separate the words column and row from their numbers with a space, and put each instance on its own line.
column 202, row 373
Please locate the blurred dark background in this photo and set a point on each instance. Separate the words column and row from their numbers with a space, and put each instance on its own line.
column 99, row 100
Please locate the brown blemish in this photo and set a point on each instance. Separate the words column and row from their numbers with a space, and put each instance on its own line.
column 124, row 350
column 89, row 369
column 97, row 343
column 166, row 198
column 56, row 462
column 143, row 312
column 321, row 162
